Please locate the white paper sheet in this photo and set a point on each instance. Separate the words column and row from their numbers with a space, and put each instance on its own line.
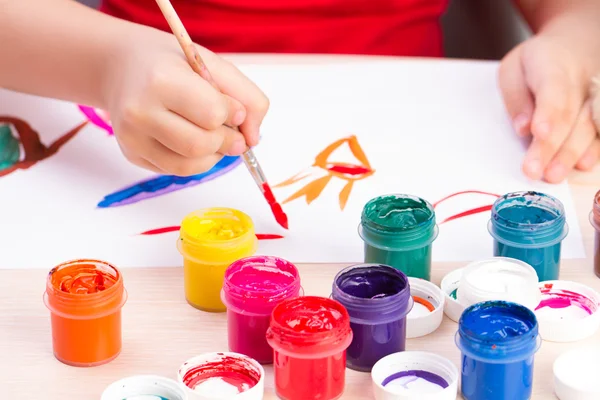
column 427, row 128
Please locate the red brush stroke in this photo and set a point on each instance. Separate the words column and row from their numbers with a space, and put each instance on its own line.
column 466, row 213
column 167, row 229
column 349, row 169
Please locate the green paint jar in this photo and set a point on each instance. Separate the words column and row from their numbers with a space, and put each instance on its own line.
column 398, row 231
column 9, row 148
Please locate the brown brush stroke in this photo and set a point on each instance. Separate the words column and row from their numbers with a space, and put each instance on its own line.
column 33, row 147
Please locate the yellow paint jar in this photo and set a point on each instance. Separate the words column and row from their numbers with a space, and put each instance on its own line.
column 209, row 241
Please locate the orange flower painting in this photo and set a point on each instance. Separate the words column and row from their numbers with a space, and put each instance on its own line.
column 349, row 172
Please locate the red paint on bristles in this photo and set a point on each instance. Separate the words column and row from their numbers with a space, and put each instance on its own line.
column 280, row 216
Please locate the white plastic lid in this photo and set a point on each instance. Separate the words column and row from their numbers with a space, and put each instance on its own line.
column 414, row 375
column 144, row 387
column 428, row 310
column 568, row 311
column 576, row 374
column 450, row 283
column 215, row 388
column 499, row 278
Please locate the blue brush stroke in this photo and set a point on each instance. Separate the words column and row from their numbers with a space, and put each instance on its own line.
column 163, row 184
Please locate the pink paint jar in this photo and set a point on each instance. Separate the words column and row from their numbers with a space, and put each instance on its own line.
column 253, row 286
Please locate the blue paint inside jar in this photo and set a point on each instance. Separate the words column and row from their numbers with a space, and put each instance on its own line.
column 498, row 341
column 398, row 230
column 530, row 226
column 378, row 300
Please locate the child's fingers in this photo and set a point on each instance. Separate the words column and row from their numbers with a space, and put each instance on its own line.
column 591, row 157
column 234, row 83
column 188, row 140
column 187, row 94
column 557, row 104
column 518, row 99
column 174, row 163
column 580, row 139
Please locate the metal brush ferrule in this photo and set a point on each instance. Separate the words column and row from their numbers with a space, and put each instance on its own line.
column 254, row 168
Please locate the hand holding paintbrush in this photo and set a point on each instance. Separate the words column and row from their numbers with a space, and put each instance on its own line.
column 197, row 64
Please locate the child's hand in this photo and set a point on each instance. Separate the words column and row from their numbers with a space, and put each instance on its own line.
column 168, row 119
column 545, row 82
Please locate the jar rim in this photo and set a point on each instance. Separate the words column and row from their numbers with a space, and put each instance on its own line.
column 510, row 341
column 226, row 212
column 426, row 206
column 280, row 329
column 376, row 303
column 239, row 265
column 51, row 288
column 559, row 212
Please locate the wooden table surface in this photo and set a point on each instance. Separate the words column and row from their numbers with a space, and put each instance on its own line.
column 160, row 330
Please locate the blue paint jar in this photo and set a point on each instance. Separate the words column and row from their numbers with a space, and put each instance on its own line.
column 530, row 226
column 498, row 341
column 378, row 300
column 398, row 230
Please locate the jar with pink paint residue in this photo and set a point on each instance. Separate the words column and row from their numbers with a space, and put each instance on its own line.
column 253, row 286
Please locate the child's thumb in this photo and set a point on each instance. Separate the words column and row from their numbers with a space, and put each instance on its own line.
column 518, row 99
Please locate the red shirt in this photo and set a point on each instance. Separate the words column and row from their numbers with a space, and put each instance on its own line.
column 378, row 27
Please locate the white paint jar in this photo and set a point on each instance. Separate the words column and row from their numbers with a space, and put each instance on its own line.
column 144, row 387
column 499, row 278
column 428, row 308
column 576, row 374
column 222, row 376
column 414, row 375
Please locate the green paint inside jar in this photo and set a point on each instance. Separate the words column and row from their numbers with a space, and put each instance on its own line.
column 398, row 230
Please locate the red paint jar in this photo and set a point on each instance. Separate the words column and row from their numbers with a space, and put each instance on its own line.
column 595, row 220
column 309, row 336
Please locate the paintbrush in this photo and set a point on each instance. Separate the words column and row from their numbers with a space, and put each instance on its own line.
column 195, row 61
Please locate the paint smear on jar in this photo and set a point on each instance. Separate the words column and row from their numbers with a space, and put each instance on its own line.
column 414, row 381
column 577, row 305
column 227, row 376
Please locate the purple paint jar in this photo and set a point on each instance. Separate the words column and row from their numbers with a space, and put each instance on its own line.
column 378, row 300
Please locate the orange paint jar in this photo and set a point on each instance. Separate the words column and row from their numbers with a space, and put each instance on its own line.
column 85, row 298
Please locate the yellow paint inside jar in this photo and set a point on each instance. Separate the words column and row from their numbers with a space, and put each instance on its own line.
column 209, row 241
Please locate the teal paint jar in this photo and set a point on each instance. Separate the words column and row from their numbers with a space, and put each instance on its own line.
column 530, row 226
column 9, row 148
column 398, row 230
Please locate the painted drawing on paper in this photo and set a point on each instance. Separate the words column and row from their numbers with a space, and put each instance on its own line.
column 346, row 171
column 157, row 185
column 21, row 146
column 163, row 184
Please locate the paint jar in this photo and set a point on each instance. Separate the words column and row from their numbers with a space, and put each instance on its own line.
column 428, row 310
column 377, row 298
column 595, row 220
column 576, row 374
column 253, row 287
column 148, row 387
column 530, row 227
column 222, row 376
column 309, row 336
column 498, row 341
column 209, row 241
column 568, row 311
column 398, row 230
column 499, row 278
column 85, row 298
column 415, row 375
